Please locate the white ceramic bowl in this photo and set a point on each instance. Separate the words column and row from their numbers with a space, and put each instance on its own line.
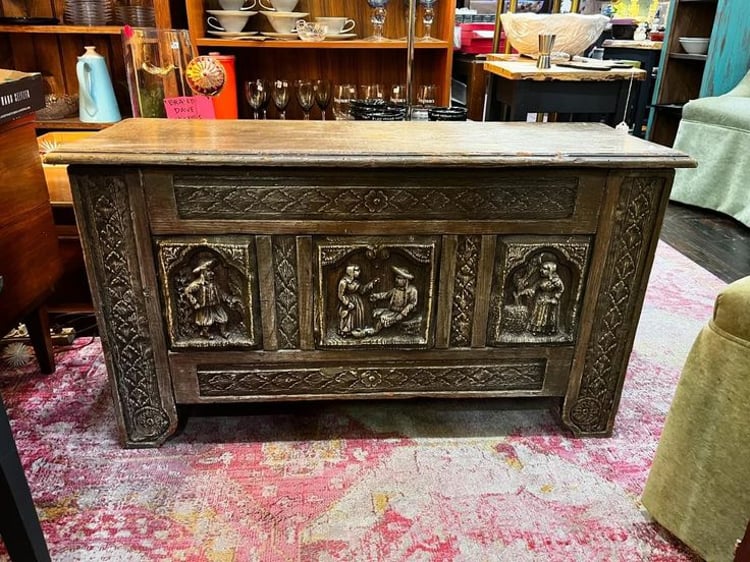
column 574, row 32
column 284, row 22
column 228, row 20
column 695, row 45
column 279, row 5
column 236, row 5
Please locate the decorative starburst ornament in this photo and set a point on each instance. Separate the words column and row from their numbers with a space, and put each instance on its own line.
column 205, row 76
column 17, row 355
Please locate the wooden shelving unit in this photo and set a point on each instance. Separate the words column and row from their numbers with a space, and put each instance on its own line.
column 351, row 61
column 683, row 76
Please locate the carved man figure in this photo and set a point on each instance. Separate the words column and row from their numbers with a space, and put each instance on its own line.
column 351, row 309
column 544, row 319
column 208, row 299
column 402, row 300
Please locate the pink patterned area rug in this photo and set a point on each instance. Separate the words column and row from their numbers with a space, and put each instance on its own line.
column 347, row 482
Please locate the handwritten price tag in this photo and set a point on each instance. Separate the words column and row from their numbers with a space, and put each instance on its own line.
column 190, row 107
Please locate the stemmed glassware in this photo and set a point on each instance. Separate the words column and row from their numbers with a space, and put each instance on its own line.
column 428, row 16
column 322, row 96
column 305, row 92
column 377, row 18
column 256, row 92
column 280, row 95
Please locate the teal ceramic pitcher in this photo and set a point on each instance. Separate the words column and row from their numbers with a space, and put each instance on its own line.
column 96, row 97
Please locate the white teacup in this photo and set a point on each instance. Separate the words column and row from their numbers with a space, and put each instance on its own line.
column 236, row 5
column 228, row 20
column 284, row 22
column 279, row 5
column 337, row 26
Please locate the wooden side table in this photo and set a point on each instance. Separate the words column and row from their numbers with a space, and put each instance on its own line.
column 520, row 88
column 29, row 255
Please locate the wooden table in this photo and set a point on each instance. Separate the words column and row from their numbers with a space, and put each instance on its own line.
column 236, row 261
column 519, row 88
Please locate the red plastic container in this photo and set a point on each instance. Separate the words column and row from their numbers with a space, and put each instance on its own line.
column 225, row 103
column 473, row 44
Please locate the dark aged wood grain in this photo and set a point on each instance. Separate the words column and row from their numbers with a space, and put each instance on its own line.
column 463, row 261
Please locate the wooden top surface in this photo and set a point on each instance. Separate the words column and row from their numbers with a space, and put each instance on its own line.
column 525, row 69
column 364, row 144
column 632, row 44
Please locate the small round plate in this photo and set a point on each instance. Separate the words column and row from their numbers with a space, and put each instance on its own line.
column 340, row 37
column 274, row 35
column 231, row 34
column 231, row 13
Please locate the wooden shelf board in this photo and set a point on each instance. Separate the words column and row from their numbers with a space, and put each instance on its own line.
column 57, row 29
column 349, row 44
column 688, row 56
column 73, row 123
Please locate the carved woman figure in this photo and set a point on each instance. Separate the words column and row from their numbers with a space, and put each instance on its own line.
column 544, row 319
column 351, row 308
column 208, row 299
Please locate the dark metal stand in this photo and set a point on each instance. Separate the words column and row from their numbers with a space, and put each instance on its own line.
column 19, row 524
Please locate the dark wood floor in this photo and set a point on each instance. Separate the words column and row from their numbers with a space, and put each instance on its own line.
column 715, row 241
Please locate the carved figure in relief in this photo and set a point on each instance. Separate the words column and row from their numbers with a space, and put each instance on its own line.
column 209, row 299
column 402, row 300
column 545, row 293
column 351, row 310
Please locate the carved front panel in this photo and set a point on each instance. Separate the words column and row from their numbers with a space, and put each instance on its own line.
column 379, row 194
column 375, row 291
column 518, row 375
column 537, row 289
column 209, row 287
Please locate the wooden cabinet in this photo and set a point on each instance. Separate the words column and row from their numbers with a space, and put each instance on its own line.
column 29, row 258
column 53, row 50
column 352, row 61
column 383, row 260
column 683, row 76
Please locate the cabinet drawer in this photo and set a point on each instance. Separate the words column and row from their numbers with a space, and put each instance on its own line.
column 373, row 201
column 276, row 376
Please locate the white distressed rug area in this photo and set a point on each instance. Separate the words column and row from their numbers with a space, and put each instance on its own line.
column 387, row 481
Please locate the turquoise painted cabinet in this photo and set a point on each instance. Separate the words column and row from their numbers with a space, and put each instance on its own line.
column 684, row 76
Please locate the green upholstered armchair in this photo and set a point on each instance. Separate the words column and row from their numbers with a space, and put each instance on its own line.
column 699, row 485
column 715, row 131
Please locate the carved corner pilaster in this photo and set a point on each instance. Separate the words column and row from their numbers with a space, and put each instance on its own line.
column 594, row 392
column 115, row 239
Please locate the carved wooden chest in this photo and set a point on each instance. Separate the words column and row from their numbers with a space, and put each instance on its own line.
column 246, row 261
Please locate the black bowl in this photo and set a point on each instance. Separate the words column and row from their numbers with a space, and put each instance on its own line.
column 446, row 114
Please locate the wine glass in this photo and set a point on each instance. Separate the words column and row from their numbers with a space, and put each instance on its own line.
column 343, row 94
column 377, row 18
column 322, row 96
column 256, row 92
column 305, row 92
column 280, row 96
column 428, row 16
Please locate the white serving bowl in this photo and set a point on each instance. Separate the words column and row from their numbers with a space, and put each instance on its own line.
column 695, row 45
column 574, row 32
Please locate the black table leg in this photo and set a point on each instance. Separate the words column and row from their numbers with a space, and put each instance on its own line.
column 19, row 523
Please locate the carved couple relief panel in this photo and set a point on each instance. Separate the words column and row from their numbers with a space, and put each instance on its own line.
column 375, row 291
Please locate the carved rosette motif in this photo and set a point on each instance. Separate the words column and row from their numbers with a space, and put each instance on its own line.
column 284, row 251
column 254, row 382
column 375, row 291
column 464, row 293
column 123, row 319
column 271, row 197
column 537, row 289
column 591, row 410
column 208, row 286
